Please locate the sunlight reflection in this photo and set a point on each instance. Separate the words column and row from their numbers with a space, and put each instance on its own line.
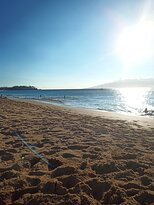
column 134, row 99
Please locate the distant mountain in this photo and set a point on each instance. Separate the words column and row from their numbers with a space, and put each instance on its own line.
column 19, row 88
column 147, row 82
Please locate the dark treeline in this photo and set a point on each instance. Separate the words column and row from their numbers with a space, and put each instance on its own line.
column 19, row 88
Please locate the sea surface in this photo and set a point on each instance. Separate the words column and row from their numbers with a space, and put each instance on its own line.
column 132, row 101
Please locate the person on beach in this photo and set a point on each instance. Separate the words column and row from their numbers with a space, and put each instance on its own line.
column 146, row 110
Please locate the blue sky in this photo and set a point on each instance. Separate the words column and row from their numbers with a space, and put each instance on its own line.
column 66, row 43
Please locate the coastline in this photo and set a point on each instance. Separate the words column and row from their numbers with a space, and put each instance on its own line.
column 116, row 100
column 145, row 121
column 96, row 157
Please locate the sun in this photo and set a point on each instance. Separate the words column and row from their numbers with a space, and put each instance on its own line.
column 135, row 43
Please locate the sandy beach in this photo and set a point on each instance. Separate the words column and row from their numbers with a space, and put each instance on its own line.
column 74, row 156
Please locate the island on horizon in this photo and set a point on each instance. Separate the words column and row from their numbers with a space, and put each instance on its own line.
column 19, row 88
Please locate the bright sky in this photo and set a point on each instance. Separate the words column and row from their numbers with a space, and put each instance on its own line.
column 75, row 43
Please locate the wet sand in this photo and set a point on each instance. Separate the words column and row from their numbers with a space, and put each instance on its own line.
column 96, row 157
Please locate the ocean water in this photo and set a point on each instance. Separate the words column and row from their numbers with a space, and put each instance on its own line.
column 127, row 100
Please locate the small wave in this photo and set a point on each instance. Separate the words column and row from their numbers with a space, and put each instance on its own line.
column 43, row 99
column 51, row 100
column 106, row 110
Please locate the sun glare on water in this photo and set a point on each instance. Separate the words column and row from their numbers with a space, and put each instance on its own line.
column 135, row 43
column 134, row 99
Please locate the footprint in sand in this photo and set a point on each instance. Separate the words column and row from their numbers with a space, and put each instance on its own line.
column 49, row 187
column 69, row 181
column 54, row 163
column 36, row 173
column 104, row 168
column 114, row 196
column 33, row 181
column 65, row 170
column 33, row 161
column 146, row 181
column 91, row 156
column 136, row 167
column 125, row 156
column 77, row 147
column 18, row 194
column 145, row 198
column 98, row 187
column 7, row 156
column 68, row 155
column 8, row 175
column 126, row 175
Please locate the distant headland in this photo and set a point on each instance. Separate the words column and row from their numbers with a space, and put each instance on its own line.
column 19, row 88
column 128, row 83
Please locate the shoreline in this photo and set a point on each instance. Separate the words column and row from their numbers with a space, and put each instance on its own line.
column 144, row 121
column 121, row 109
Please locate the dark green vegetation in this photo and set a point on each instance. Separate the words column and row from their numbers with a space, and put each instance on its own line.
column 19, row 88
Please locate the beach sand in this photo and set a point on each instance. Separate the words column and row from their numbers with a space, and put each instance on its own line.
column 96, row 157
